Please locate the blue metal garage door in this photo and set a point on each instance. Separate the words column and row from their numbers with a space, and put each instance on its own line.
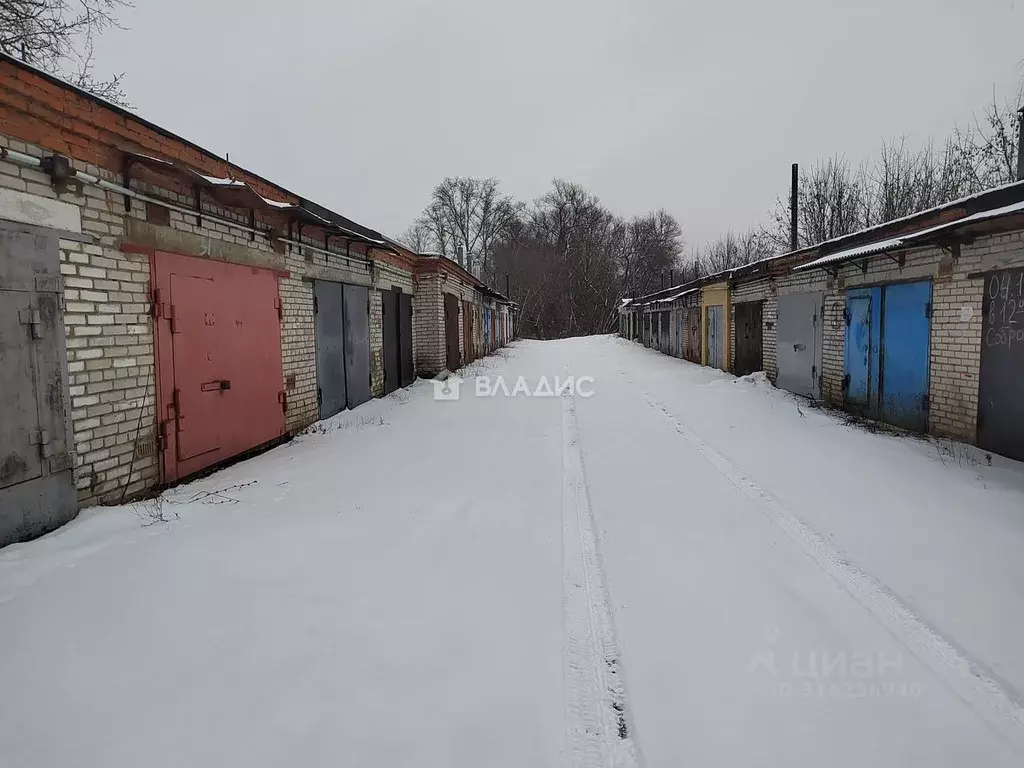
column 906, row 324
column 888, row 332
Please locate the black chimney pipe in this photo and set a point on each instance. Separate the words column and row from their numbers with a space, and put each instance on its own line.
column 671, row 277
column 793, row 196
column 508, row 293
column 1020, row 145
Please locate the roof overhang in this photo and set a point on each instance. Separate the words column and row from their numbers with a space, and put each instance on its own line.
column 234, row 193
column 930, row 235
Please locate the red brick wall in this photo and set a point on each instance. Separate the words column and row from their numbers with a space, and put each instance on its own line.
column 59, row 118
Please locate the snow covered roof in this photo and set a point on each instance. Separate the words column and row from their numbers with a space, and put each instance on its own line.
column 219, row 182
column 277, row 203
column 851, row 253
column 679, row 295
column 930, row 211
column 910, row 239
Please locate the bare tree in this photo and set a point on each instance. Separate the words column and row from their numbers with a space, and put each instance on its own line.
column 58, row 36
column 904, row 181
column 466, row 217
column 734, row 250
column 569, row 261
column 988, row 146
column 652, row 247
column 832, row 204
column 418, row 237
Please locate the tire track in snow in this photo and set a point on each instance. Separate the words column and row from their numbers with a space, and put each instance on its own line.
column 598, row 721
column 981, row 693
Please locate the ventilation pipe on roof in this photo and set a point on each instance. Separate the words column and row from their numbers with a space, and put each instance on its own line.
column 794, row 243
column 1020, row 144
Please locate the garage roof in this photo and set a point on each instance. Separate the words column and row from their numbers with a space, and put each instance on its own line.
column 910, row 239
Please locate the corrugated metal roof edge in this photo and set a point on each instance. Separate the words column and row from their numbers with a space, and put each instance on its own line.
column 1013, row 192
column 913, row 239
column 996, row 197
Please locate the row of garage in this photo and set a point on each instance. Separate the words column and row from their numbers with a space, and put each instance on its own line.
column 163, row 311
column 917, row 323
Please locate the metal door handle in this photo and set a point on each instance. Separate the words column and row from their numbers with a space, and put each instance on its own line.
column 799, row 347
column 217, row 385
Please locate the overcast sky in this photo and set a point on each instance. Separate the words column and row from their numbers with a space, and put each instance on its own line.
column 696, row 106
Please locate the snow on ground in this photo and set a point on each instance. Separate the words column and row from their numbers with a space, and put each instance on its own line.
column 685, row 568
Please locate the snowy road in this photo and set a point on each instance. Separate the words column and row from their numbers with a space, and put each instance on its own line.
column 684, row 569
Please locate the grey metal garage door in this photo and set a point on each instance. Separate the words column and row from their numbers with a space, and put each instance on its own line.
column 357, row 344
column 391, row 332
column 37, row 492
column 330, row 348
column 716, row 336
column 799, row 343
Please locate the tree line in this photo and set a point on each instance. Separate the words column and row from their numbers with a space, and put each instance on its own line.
column 565, row 258
column 838, row 198
column 58, row 37
column 569, row 261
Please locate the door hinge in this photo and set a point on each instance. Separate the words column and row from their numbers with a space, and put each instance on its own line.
column 172, row 315
column 161, row 437
column 928, row 310
column 41, row 439
column 846, row 382
column 282, row 398
column 279, row 307
column 814, row 371
column 32, row 317
column 926, row 402
column 316, row 304
column 155, row 307
column 846, row 316
column 319, row 396
column 176, row 403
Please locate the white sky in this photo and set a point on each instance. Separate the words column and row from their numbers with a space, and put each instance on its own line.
column 697, row 106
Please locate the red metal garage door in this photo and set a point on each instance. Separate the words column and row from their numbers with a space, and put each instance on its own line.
column 219, row 387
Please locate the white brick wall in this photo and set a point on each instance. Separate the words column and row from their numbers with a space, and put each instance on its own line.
column 428, row 324
column 376, row 343
column 110, row 333
column 956, row 328
column 957, row 332
column 110, row 351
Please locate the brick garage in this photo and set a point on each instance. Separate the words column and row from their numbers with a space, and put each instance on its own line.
column 437, row 276
column 107, row 279
column 957, row 275
column 763, row 281
column 955, row 249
